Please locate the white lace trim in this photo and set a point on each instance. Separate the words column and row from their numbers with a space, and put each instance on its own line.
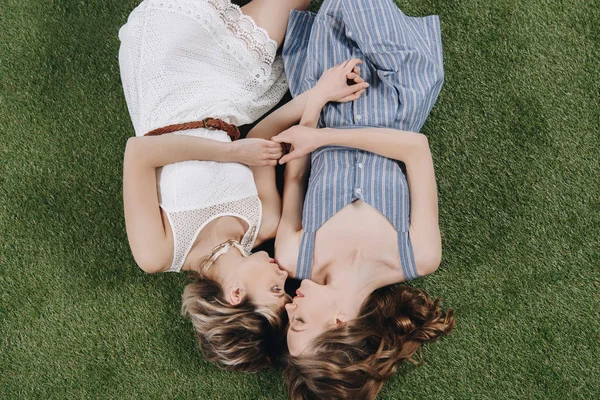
column 242, row 27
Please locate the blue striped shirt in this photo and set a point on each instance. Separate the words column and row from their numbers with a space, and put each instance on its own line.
column 402, row 61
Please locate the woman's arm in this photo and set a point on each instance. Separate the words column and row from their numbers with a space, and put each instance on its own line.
column 411, row 148
column 264, row 177
column 332, row 86
column 152, row 248
column 289, row 232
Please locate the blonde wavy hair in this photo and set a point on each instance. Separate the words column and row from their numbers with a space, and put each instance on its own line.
column 353, row 361
column 243, row 337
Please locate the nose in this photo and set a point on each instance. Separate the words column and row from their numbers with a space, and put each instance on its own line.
column 289, row 307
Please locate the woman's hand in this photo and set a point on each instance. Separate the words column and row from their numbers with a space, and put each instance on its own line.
column 303, row 140
column 256, row 152
column 333, row 84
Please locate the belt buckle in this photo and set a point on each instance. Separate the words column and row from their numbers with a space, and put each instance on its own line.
column 205, row 121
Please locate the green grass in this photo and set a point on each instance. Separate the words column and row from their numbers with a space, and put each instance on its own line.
column 516, row 144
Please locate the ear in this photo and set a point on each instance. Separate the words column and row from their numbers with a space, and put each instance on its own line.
column 341, row 320
column 236, row 295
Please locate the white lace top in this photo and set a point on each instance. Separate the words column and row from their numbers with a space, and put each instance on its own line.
column 185, row 60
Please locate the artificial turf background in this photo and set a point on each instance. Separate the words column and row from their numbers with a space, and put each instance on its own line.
column 515, row 139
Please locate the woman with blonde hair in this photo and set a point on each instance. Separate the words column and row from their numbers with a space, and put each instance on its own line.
column 368, row 219
column 196, row 198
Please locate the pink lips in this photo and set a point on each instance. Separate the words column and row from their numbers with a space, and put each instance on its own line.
column 299, row 293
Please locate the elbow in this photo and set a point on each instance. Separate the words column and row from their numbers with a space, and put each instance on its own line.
column 284, row 258
column 151, row 262
column 428, row 261
column 150, row 267
column 132, row 148
column 131, row 144
column 422, row 142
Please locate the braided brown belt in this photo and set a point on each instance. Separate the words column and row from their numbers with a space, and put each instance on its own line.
column 207, row 123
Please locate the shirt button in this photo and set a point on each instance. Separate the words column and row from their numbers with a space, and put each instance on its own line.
column 358, row 191
column 360, row 165
column 359, row 117
column 349, row 33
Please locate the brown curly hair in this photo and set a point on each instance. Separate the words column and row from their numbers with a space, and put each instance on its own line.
column 353, row 360
column 243, row 337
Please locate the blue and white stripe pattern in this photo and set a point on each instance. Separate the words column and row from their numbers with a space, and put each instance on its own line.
column 402, row 61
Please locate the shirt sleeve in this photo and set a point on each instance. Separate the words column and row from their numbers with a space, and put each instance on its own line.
column 295, row 51
column 405, row 51
column 387, row 36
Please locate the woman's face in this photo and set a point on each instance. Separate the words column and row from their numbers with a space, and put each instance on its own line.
column 264, row 281
column 313, row 311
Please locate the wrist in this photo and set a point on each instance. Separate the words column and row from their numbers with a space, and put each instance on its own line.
column 317, row 97
column 230, row 151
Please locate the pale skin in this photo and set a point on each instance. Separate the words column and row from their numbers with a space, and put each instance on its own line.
column 356, row 251
column 148, row 229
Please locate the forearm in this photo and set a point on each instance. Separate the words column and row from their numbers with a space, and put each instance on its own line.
column 282, row 118
column 157, row 151
column 312, row 110
column 391, row 143
column 264, row 178
column 293, row 198
column 413, row 149
column 409, row 147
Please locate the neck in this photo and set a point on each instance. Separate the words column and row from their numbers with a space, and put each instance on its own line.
column 224, row 268
column 355, row 279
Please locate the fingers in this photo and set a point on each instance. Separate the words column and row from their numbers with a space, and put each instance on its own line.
column 288, row 157
column 278, row 150
column 269, row 163
column 351, row 64
column 273, row 150
column 352, row 76
column 270, row 152
column 355, row 88
column 272, row 145
column 353, row 96
column 357, row 95
column 281, row 138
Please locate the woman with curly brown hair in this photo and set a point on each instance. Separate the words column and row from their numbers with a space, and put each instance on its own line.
column 368, row 219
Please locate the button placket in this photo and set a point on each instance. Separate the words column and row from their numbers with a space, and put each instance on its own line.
column 357, row 117
column 359, row 178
